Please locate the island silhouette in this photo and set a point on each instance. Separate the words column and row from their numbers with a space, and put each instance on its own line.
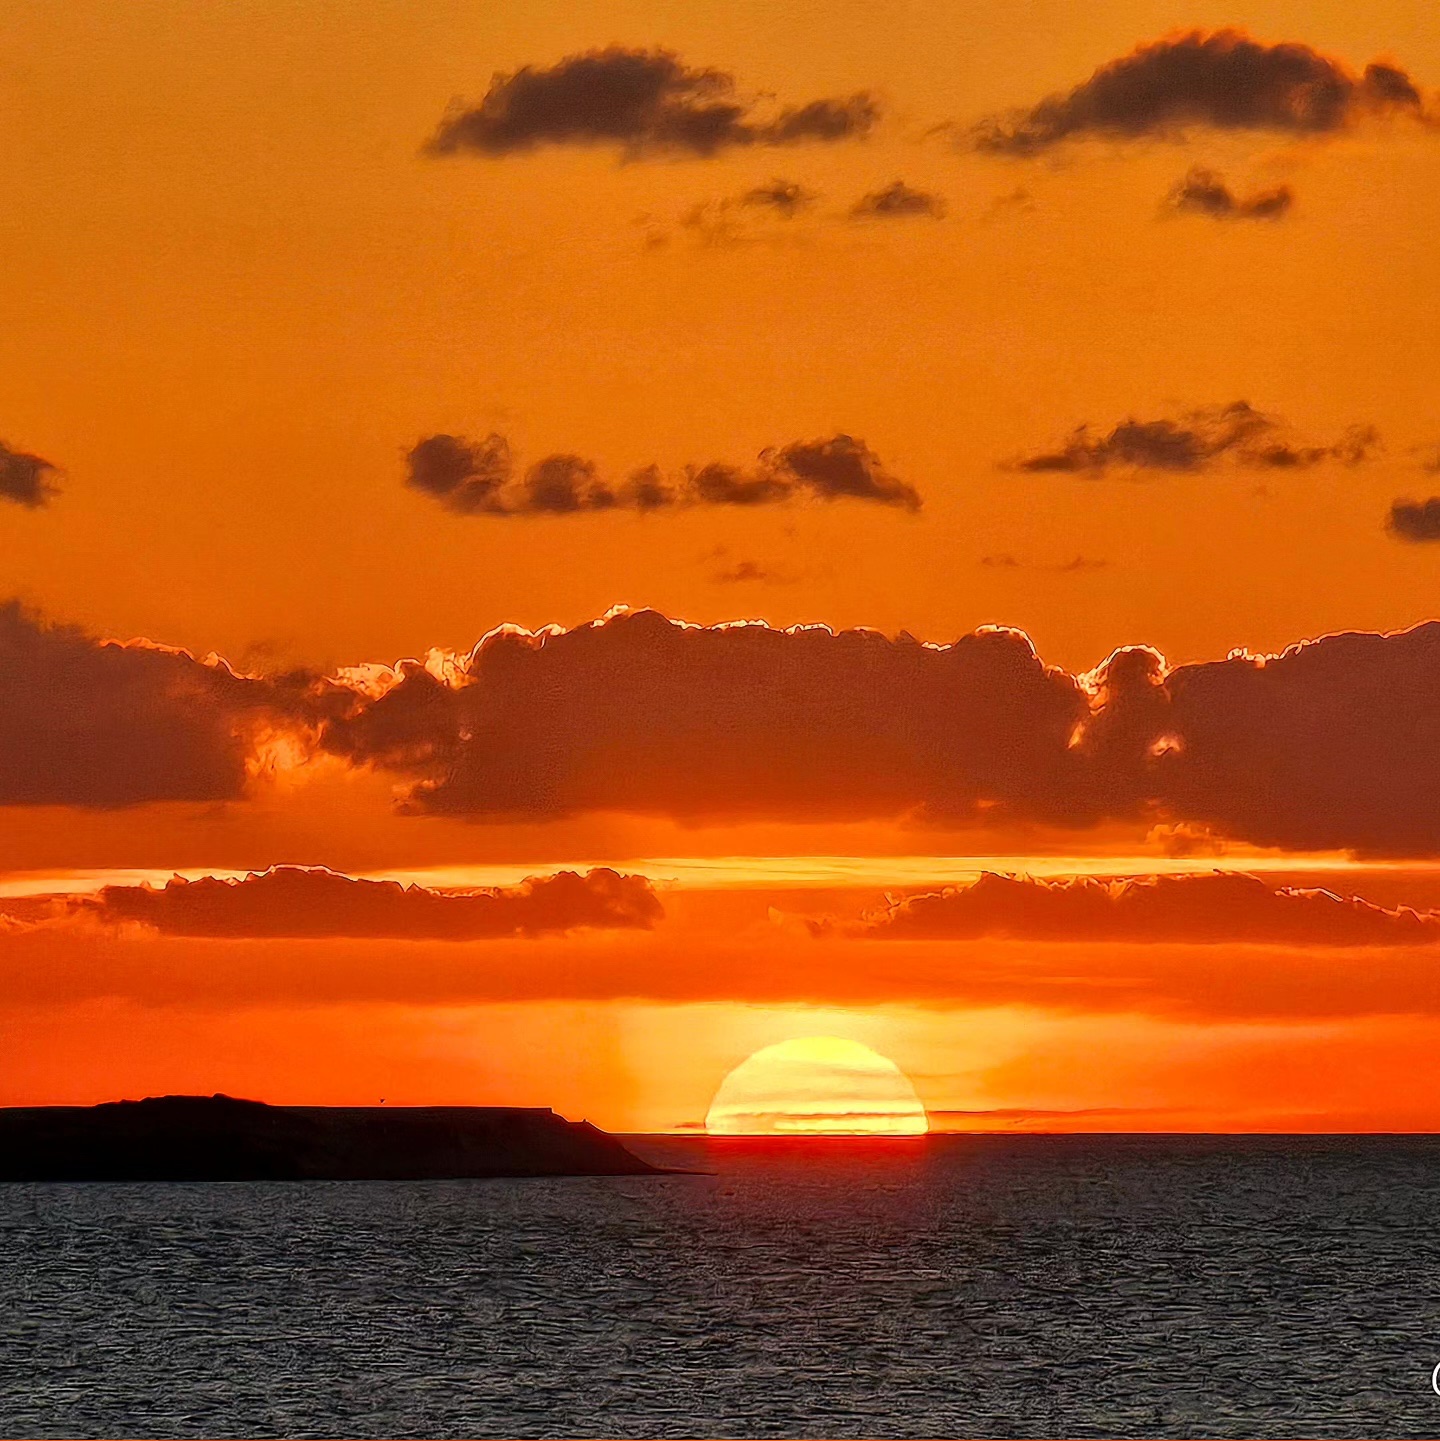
column 221, row 1138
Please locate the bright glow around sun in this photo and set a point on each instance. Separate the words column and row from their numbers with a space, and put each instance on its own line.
column 816, row 1086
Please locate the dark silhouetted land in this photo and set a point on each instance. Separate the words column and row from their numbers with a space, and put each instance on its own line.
column 219, row 1138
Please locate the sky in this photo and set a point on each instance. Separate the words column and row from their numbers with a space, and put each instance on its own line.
column 547, row 547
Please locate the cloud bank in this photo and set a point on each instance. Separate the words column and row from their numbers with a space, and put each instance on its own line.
column 1221, row 80
column 1198, row 440
column 291, row 901
column 480, row 478
column 1333, row 744
column 1193, row 910
column 1330, row 745
column 645, row 102
column 741, row 720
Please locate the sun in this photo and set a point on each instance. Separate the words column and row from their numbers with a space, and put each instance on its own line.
column 816, row 1086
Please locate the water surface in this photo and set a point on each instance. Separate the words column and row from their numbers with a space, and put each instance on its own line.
column 1017, row 1286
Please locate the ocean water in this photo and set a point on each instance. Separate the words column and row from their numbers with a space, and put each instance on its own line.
column 986, row 1286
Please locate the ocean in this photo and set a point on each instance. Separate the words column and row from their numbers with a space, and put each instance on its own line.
column 952, row 1286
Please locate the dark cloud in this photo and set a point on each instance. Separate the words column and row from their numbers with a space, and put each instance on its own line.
column 1331, row 745
column 1334, row 744
column 1003, row 560
column 468, row 476
column 1417, row 521
column 1198, row 440
column 838, row 467
column 91, row 723
column 739, row 219
column 783, row 196
column 1194, row 910
column 478, row 478
column 563, row 485
column 750, row 571
column 1203, row 192
column 25, row 479
column 898, row 201
column 313, row 903
column 664, row 718
column 643, row 101
column 1223, row 80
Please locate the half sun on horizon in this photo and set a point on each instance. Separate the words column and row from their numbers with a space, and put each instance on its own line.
column 816, row 1086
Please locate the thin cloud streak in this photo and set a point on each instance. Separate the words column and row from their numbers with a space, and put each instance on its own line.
column 1198, row 440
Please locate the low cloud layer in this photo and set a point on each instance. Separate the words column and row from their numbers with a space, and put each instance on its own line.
column 62, row 964
column 292, row 901
column 1191, row 910
column 1198, row 440
column 1221, row 80
column 898, row 201
column 473, row 477
column 26, row 479
column 644, row 102
column 1203, row 192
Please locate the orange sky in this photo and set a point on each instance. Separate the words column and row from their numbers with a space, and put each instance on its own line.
column 236, row 295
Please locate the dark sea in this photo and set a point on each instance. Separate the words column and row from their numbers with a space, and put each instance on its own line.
column 956, row 1286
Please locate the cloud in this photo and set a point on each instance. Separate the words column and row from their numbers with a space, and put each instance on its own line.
column 24, row 478
column 1222, row 907
column 730, row 721
column 1083, row 1119
column 97, row 723
column 1004, row 560
column 747, row 571
column 479, row 478
column 1417, row 521
column 314, row 903
column 1203, row 192
column 45, row 965
column 1196, row 441
column 1332, row 744
column 1335, row 743
column 732, row 220
column 898, row 201
column 467, row 476
column 783, row 196
column 1223, row 80
column 645, row 102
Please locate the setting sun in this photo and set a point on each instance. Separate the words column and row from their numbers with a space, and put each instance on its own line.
column 816, row 1085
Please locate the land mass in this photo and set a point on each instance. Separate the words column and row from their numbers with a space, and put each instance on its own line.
column 219, row 1138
